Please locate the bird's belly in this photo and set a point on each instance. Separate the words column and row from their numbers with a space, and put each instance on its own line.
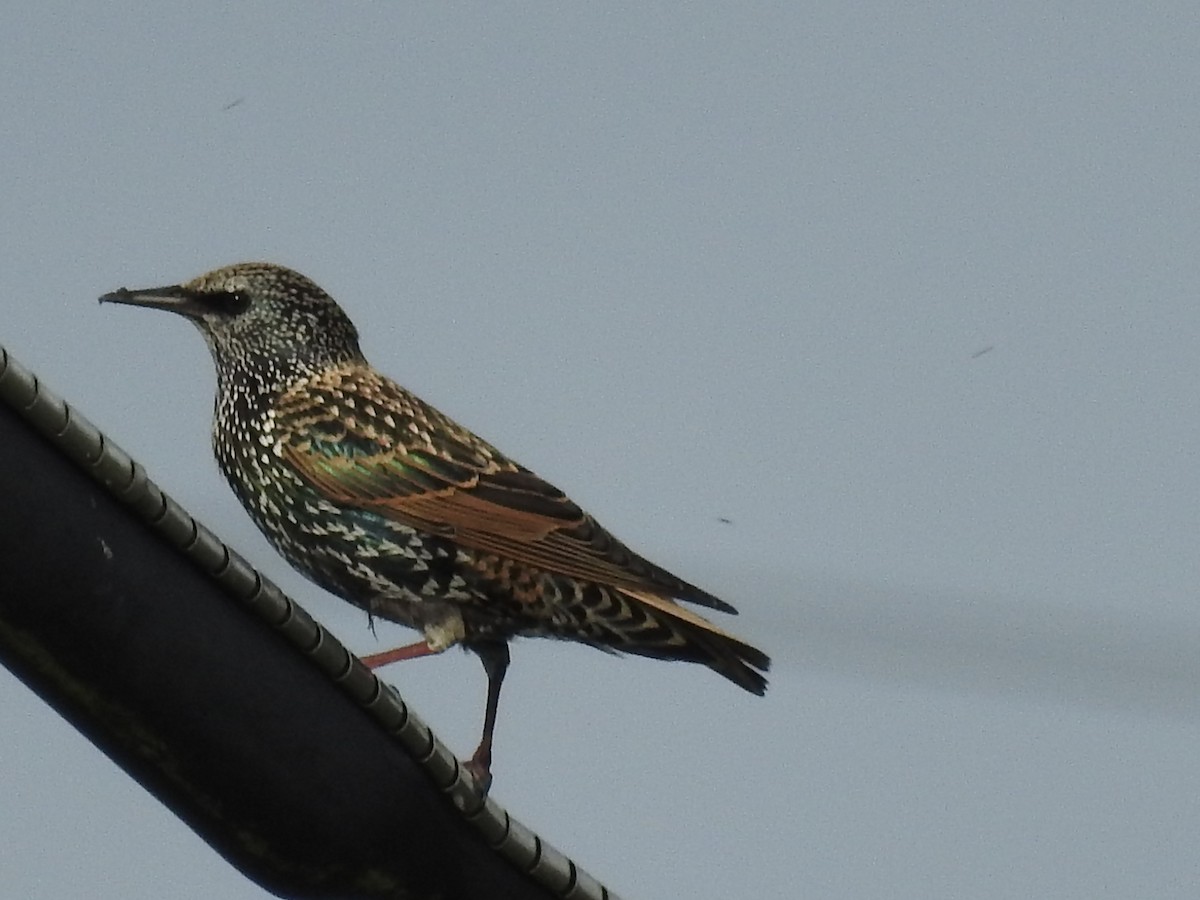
column 397, row 572
column 386, row 568
column 401, row 587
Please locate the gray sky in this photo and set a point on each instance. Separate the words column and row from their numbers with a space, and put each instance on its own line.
column 737, row 261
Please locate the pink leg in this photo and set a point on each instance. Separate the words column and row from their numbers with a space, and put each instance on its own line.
column 494, row 657
column 410, row 651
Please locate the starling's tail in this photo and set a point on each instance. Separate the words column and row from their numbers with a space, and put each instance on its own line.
column 694, row 638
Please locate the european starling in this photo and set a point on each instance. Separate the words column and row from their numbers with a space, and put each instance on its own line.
column 384, row 501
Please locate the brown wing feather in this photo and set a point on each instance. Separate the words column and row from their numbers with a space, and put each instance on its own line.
column 402, row 458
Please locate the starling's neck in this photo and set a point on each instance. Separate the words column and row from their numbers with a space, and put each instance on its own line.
column 275, row 368
column 249, row 383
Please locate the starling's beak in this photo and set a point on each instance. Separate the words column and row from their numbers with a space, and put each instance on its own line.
column 173, row 298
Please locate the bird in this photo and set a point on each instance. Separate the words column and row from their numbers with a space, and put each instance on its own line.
column 386, row 502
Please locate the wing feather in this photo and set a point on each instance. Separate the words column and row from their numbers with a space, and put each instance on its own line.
column 401, row 458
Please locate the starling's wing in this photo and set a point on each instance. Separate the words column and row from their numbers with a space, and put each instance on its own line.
column 362, row 440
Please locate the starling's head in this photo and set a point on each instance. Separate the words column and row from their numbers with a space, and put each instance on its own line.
column 254, row 312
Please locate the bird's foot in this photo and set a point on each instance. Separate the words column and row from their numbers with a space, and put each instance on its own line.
column 481, row 772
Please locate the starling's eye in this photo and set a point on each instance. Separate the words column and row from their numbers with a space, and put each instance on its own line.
column 229, row 303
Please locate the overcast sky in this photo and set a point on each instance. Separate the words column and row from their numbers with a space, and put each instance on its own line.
column 880, row 322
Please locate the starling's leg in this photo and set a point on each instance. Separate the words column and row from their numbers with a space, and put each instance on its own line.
column 494, row 656
column 410, row 651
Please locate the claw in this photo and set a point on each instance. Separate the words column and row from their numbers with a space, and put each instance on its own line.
column 481, row 772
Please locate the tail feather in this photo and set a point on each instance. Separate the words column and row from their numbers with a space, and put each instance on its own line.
column 714, row 647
